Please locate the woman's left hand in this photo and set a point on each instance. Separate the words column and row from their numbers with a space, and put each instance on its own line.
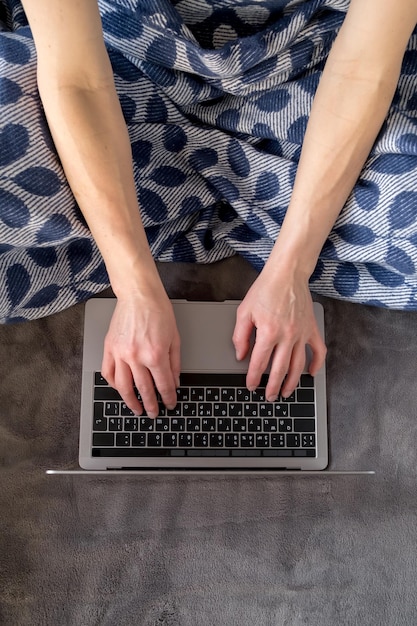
column 280, row 308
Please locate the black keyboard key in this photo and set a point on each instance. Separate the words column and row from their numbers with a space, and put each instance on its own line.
column 177, row 424
column 131, row 424
column 124, row 410
column 254, row 425
column 308, row 441
column 285, row 425
column 293, row 440
column 154, row 439
column 106, row 393
column 176, row 412
column 300, row 452
column 131, row 452
column 169, row 440
column 235, row 409
column 98, row 409
column 243, row 395
column 123, row 439
column 212, row 394
column 246, row 452
column 290, row 398
column 281, row 409
column 228, row 395
column 262, row 440
column 185, row 440
column 224, row 424
column 193, row 424
column 99, row 423
column 220, row 409
column 251, row 409
column 177, row 452
column 112, row 408
column 216, row 440
column 305, row 425
column 103, row 439
column 270, row 425
column 183, row 394
column 239, row 424
column 189, row 409
column 258, row 395
column 231, row 440
column 306, row 380
column 302, row 410
column 208, row 424
column 197, row 395
column 139, row 439
column 205, row 409
column 305, row 395
column 201, row 440
column 116, row 423
column 278, row 441
column 247, row 440
column 162, row 424
column 99, row 379
column 266, row 410
column 146, row 424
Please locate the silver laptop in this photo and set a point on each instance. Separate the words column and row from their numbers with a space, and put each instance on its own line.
column 217, row 425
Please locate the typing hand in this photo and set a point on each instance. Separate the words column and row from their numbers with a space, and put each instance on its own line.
column 142, row 349
column 281, row 311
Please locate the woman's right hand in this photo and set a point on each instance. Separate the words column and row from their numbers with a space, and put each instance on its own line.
column 142, row 350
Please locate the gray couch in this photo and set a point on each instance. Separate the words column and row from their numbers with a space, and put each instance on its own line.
column 212, row 551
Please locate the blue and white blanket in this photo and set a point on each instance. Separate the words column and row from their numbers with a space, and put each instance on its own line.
column 216, row 95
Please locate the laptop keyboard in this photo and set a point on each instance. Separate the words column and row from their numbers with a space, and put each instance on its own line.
column 215, row 415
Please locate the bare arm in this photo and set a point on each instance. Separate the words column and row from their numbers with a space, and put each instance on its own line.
column 77, row 89
column 350, row 105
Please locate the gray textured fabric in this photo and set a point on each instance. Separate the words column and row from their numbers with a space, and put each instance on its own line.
column 211, row 551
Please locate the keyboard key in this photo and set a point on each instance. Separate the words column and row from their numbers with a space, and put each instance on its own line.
column 183, row 394
column 281, row 409
column 154, row 439
column 162, row 424
column 169, row 440
column 124, row 410
column 285, row 425
column 262, row 440
column 146, row 423
column 98, row 409
column 116, row 423
column 131, row 423
column 193, row 424
column 231, row 440
column 197, row 394
column 293, row 440
column 266, row 410
column 305, row 395
column 201, row 440
column 243, row 395
column 302, row 410
column 235, row 409
column 139, row 439
column 308, row 441
column 103, row 439
column 250, row 410
column 224, row 424
column 258, row 395
column 278, row 441
column 247, row 440
column 305, row 425
column 185, row 440
column 228, row 395
column 99, row 379
column 123, row 439
column 205, row 409
column 189, row 409
column 246, row 453
column 106, row 393
column 306, row 380
column 100, row 423
column 270, row 425
column 216, row 440
column 220, row 409
column 208, row 424
column 277, row 452
column 111, row 408
column 177, row 424
column 239, row 424
column 212, row 394
column 254, row 425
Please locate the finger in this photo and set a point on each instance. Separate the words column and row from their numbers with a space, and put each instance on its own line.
column 279, row 368
column 146, row 387
column 295, row 369
column 175, row 360
column 123, row 382
column 166, row 384
column 242, row 334
column 319, row 351
column 259, row 360
column 108, row 368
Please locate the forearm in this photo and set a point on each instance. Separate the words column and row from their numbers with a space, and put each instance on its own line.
column 347, row 113
column 92, row 141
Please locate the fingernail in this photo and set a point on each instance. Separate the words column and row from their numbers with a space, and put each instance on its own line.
column 272, row 398
column 252, row 388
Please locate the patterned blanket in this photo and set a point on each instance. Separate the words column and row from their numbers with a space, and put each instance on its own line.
column 216, row 95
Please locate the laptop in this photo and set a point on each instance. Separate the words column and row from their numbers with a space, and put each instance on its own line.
column 217, row 425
